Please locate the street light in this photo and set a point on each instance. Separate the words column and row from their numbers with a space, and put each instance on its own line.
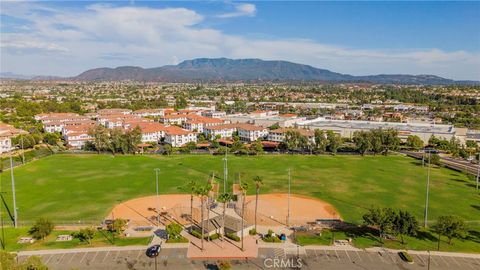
column 15, row 218
column 225, row 172
column 428, row 189
column 288, row 211
column 478, row 169
column 157, row 170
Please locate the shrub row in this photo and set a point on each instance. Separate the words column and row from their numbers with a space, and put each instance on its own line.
column 233, row 237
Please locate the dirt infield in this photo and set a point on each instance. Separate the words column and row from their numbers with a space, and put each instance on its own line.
column 142, row 211
column 273, row 209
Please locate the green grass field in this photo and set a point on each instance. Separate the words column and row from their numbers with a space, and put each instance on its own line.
column 85, row 187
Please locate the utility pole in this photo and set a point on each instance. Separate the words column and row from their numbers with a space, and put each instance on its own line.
column 13, row 194
column 23, row 152
column 225, row 172
column 157, row 170
column 428, row 190
column 288, row 211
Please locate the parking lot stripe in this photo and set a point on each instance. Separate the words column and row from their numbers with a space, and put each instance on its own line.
column 338, row 257
column 139, row 253
column 358, row 255
column 432, row 260
column 46, row 262
column 421, row 259
column 74, row 254
column 118, row 253
column 368, row 256
column 444, row 260
column 326, row 255
column 106, row 256
column 60, row 258
column 380, row 254
column 453, row 258
column 83, row 258
column 348, row 255
column 94, row 257
column 467, row 262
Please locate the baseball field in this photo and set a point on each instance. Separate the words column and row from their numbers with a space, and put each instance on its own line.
column 83, row 187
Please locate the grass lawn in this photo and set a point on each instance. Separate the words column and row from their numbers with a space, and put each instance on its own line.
column 85, row 187
column 425, row 240
column 12, row 235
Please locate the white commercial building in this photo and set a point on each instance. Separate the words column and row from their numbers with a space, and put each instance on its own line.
column 346, row 128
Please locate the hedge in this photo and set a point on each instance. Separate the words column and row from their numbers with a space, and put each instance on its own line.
column 233, row 237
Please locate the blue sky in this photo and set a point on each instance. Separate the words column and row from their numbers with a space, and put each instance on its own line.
column 66, row 38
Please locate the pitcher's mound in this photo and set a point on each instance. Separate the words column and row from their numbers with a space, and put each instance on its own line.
column 273, row 209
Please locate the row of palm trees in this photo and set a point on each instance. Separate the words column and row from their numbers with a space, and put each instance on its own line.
column 203, row 191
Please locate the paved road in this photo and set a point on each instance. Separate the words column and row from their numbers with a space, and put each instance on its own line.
column 453, row 163
column 311, row 258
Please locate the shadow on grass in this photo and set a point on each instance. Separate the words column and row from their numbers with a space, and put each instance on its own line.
column 475, row 207
column 473, row 236
column 10, row 215
column 426, row 235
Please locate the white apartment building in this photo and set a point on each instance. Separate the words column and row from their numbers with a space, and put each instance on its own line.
column 149, row 112
column 114, row 111
column 178, row 137
column 7, row 132
column 214, row 114
column 152, row 131
column 250, row 133
column 278, row 135
column 173, row 119
column 77, row 140
column 223, row 131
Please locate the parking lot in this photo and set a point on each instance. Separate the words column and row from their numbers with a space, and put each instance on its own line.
column 353, row 259
column 114, row 259
column 175, row 258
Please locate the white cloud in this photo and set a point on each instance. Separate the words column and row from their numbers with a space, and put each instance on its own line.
column 102, row 35
column 241, row 10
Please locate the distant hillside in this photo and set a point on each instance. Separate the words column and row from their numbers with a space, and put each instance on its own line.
column 247, row 70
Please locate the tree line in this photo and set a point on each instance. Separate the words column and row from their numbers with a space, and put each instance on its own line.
column 114, row 140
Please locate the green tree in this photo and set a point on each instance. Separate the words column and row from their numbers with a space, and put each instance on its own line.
column 117, row 226
column 115, row 140
column 180, row 103
column 450, row 226
column 101, row 138
column 414, row 142
column 174, row 230
column 362, row 141
column 51, row 138
column 376, row 140
column 320, row 141
column 41, row 229
column 405, row 224
column 256, row 147
column 167, row 149
column 390, row 140
column 334, row 141
column 85, row 235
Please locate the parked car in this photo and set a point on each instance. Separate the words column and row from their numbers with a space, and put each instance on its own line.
column 153, row 251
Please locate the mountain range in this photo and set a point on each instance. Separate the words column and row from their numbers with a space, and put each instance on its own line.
column 248, row 70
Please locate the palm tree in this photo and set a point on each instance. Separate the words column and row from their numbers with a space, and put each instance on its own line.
column 224, row 198
column 243, row 188
column 202, row 192
column 258, row 183
column 192, row 185
column 208, row 188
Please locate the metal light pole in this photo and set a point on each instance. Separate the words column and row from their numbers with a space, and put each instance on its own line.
column 157, row 170
column 13, row 193
column 478, row 170
column 288, row 211
column 225, row 172
column 428, row 189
